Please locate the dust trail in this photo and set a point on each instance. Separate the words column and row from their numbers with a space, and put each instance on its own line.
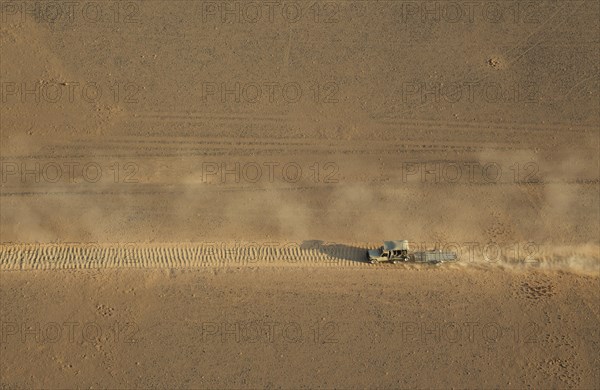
column 582, row 259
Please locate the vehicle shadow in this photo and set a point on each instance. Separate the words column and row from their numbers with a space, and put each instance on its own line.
column 336, row 251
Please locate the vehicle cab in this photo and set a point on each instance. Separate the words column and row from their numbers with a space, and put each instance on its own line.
column 394, row 251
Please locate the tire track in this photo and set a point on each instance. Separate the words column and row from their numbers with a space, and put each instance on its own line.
column 129, row 255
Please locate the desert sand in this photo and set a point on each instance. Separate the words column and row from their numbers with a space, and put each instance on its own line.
column 299, row 327
column 188, row 190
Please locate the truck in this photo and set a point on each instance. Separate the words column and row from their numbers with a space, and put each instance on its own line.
column 398, row 252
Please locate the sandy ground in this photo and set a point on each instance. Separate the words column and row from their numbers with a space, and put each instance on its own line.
column 145, row 134
column 333, row 328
